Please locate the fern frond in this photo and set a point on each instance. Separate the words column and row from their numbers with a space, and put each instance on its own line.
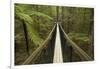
column 24, row 17
column 18, row 9
column 33, row 35
column 40, row 14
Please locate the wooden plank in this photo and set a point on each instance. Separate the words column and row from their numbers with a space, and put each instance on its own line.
column 57, row 51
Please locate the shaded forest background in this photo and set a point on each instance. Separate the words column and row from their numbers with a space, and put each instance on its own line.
column 33, row 23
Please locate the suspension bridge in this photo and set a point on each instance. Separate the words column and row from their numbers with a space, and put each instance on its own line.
column 57, row 48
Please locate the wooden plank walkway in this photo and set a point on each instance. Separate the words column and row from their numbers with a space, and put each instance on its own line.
column 57, row 50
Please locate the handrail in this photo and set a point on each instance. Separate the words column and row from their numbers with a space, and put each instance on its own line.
column 77, row 49
column 39, row 49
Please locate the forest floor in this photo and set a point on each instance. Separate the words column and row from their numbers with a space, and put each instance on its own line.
column 20, row 55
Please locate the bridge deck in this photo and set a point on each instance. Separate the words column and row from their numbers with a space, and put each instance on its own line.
column 57, row 51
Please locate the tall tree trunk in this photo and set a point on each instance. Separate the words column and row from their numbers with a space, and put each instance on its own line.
column 57, row 9
column 62, row 20
column 69, row 20
column 26, row 37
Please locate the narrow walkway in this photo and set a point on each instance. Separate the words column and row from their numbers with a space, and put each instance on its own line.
column 58, row 51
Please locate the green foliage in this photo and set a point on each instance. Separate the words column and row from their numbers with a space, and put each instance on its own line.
column 28, row 15
column 79, row 19
column 24, row 17
column 40, row 14
column 77, row 34
column 34, row 36
column 18, row 9
column 80, row 38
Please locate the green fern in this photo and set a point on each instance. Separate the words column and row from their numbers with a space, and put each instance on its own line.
column 26, row 16
column 33, row 35
column 18, row 9
column 40, row 14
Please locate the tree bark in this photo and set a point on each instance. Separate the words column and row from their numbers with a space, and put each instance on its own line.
column 57, row 9
column 26, row 37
